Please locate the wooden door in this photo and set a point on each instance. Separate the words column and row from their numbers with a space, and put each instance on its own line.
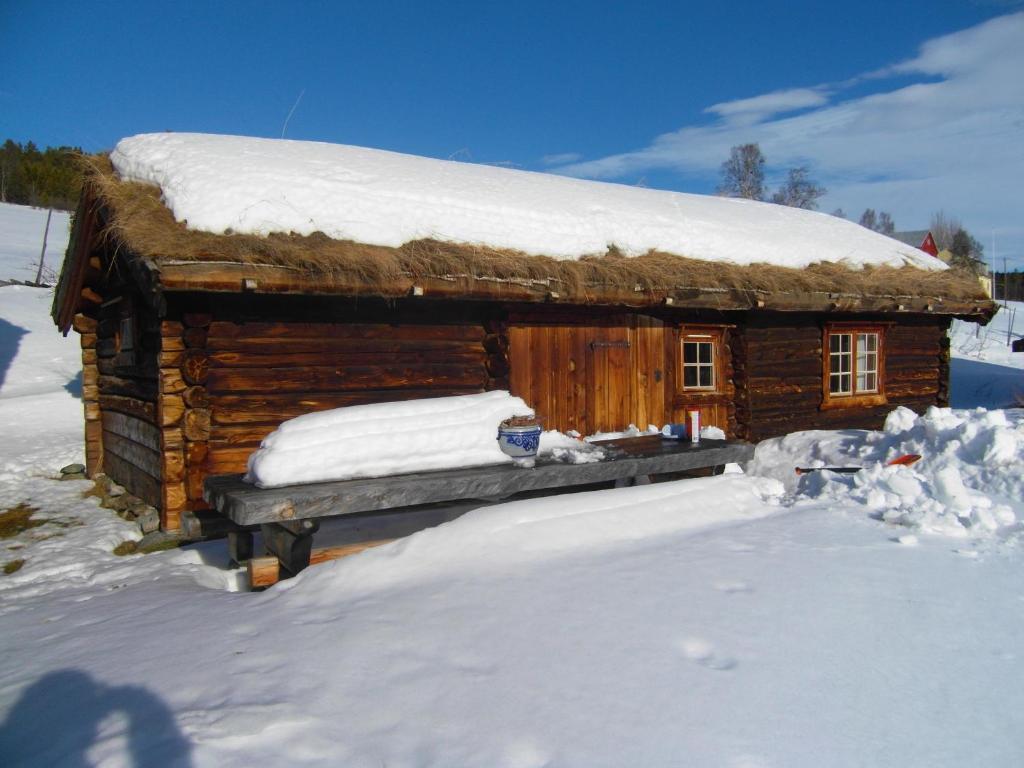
column 598, row 376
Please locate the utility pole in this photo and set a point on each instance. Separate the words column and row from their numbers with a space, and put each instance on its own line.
column 42, row 254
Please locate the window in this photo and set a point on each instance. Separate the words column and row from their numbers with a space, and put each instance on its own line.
column 700, row 360
column 853, row 365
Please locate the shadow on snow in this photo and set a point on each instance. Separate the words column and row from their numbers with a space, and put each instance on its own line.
column 58, row 718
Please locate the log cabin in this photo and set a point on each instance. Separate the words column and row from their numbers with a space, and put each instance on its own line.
column 222, row 285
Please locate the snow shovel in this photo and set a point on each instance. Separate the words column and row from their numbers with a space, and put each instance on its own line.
column 900, row 461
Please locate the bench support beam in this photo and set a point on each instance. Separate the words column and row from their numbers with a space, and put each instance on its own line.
column 291, row 543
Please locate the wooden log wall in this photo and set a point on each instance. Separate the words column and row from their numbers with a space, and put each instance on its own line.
column 248, row 377
column 778, row 364
column 125, row 391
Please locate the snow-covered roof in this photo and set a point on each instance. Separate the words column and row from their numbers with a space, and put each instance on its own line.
column 222, row 184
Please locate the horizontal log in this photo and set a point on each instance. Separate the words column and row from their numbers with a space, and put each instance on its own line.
column 411, row 355
column 142, row 389
column 196, row 397
column 324, row 378
column 89, row 357
column 171, row 411
column 227, row 461
column 140, row 409
column 171, row 329
column 172, row 465
column 134, row 479
column 913, row 374
column 172, row 438
column 195, row 338
column 172, row 382
column 172, row 344
column 265, row 571
column 275, row 408
column 901, row 390
column 228, row 330
column 195, row 453
column 195, row 368
column 330, row 344
column 228, row 435
column 170, row 358
column 83, row 323
column 87, row 340
column 197, row 424
column 138, row 430
column 174, row 502
column 136, row 454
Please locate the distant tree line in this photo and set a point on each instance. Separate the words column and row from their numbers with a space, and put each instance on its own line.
column 50, row 178
column 1008, row 285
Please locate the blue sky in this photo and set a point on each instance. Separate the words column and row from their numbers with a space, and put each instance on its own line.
column 907, row 107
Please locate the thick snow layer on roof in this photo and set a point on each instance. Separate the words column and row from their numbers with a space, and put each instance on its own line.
column 260, row 186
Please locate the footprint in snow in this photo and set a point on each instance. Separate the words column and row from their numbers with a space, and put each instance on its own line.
column 702, row 652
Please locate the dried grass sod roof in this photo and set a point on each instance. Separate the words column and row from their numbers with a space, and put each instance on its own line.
column 139, row 221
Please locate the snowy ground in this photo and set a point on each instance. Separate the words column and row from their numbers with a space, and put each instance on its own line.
column 984, row 369
column 21, row 241
column 745, row 620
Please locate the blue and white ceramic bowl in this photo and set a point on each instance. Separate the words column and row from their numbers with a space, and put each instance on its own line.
column 520, row 443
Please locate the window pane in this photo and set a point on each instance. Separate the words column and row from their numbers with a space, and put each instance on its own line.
column 689, row 376
column 706, row 378
column 705, row 352
column 689, row 352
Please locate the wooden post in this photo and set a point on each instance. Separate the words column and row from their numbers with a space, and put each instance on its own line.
column 170, row 418
column 86, row 327
column 194, row 364
column 42, row 253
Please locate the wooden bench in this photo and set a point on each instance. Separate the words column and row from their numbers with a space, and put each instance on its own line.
column 383, row 508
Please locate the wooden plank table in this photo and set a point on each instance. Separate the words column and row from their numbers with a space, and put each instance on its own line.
column 289, row 516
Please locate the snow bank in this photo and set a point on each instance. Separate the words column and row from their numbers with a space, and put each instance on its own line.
column 259, row 186
column 968, row 483
column 498, row 537
column 385, row 438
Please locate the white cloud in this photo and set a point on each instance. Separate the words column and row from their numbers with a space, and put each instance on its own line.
column 752, row 110
column 561, row 159
column 954, row 140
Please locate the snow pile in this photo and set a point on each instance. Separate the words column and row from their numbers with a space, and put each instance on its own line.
column 967, row 484
column 568, row 449
column 260, row 186
column 385, row 438
column 500, row 537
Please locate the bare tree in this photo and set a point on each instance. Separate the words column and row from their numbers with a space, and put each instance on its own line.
column 879, row 222
column 799, row 191
column 743, row 173
column 944, row 228
column 839, row 213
